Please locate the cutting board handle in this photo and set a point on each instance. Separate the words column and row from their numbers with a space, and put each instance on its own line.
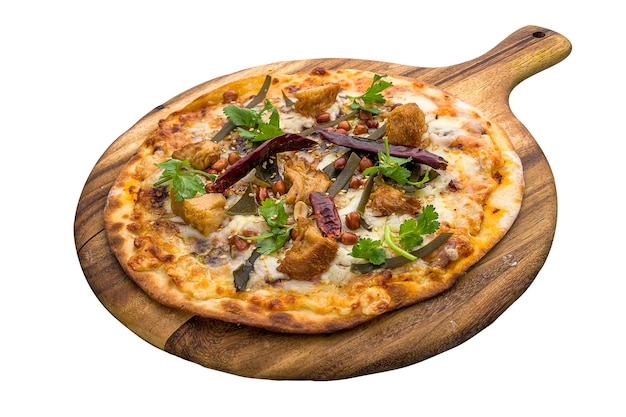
column 522, row 54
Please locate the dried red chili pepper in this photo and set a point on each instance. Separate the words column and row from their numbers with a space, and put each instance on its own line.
column 417, row 154
column 241, row 168
column 326, row 214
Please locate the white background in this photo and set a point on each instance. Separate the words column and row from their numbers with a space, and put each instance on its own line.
column 76, row 75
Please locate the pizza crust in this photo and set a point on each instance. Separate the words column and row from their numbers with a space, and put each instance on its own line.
column 155, row 254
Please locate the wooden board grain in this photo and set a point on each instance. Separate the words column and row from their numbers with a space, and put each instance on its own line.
column 396, row 339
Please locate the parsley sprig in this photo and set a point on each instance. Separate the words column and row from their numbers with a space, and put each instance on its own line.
column 392, row 167
column 410, row 235
column 273, row 211
column 369, row 249
column 371, row 96
column 185, row 180
column 252, row 125
column 412, row 231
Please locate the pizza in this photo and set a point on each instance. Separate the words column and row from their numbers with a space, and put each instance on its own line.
column 312, row 202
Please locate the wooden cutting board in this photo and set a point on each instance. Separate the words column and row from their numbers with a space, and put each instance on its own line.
column 395, row 339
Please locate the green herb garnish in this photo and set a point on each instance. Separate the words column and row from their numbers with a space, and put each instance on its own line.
column 412, row 231
column 185, row 180
column 397, row 261
column 274, row 213
column 392, row 167
column 396, row 248
column 369, row 249
column 371, row 96
column 411, row 234
column 252, row 125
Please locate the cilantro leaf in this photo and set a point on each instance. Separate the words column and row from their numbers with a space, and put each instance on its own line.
column 252, row 125
column 187, row 187
column 369, row 249
column 241, row 116
column 412, row 231
column 185, row 180
column 392, row 167
column 271, row 242
column 427, row 220
column 274, row 212
column 409, row 234
column 371, row 96
column 278, row 234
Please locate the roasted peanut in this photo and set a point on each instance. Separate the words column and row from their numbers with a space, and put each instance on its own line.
column 349, row 238
column 239, row 243
column 344, row 124
column 365, row 163
column 300, row 210
column 279, row 187
column 220, row 164
column 340, row 163
column 353, row 220
column 356, row 183
column 233, row 157
column 371, row 123
column 261, row 194
column 365, row 115
column 360, row 129
column 323, row 117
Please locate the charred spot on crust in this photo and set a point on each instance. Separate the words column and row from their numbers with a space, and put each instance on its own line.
column 153, row 197
column 232, row 307
column 284, row 320
column 116, row 240
column 116, row 227
column 319, row 71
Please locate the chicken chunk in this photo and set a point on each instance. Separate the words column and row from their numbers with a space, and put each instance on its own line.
column 311, row 253
column 315, row 100
column 302, row 178
column 201, row 154
column 205, row 212
column 405, row 125
column 387, row 200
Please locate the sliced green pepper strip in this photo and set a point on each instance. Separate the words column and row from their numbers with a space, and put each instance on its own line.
column 267, row 172
column 378, row 133
column 242, row 274
column 401, row 260
column 246, row 205
column 346, row 173
column 365, row 196
column 288, row 101
column 229, row 126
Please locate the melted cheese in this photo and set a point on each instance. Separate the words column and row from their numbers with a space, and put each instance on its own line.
column 458, row 195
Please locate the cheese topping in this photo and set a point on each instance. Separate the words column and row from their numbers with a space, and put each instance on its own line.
column 201, row 265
